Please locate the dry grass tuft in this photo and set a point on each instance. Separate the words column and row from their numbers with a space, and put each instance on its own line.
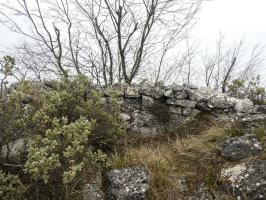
column 193, row 157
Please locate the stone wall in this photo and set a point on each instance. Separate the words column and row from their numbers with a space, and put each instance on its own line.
column 150, row 110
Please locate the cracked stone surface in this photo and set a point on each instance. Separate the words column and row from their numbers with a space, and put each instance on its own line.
column 238, row 148
column 128, row 184
column 246, row 180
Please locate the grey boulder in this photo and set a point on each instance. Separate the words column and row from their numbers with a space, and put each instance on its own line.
column 246, row 180
column 237, row 148
column 128, row 184
column 244, row 106
column 14, row 150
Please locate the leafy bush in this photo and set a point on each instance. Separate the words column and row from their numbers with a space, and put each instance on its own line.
column 252, row 90
column 10, row 187
column 69, row 129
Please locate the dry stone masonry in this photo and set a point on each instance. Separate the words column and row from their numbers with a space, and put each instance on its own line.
column 151, row 110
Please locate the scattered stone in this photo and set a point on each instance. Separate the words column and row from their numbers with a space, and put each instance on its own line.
column 182, row 103
column 147, row 102
column 128, row 184
column 238, row 148
column 124, row 117
column 246, row 180
column 14, row 150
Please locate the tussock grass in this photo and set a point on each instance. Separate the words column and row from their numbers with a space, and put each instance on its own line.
column 193, row 157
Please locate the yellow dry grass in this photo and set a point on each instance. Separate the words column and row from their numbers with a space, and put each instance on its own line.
column 193, row 157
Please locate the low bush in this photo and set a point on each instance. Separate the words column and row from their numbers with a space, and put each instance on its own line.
column 69, row 130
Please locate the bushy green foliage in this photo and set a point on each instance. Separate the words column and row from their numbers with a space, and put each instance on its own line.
column 252, row 90
column 65, row 147
column 69, row 128
column 10, row 187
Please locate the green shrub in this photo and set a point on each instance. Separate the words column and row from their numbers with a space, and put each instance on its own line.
column 10, row 187
column 70, row 132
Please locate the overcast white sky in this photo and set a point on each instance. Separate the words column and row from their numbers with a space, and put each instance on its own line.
column 234, row 18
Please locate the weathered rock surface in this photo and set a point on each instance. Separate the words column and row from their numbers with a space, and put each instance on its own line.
column 128, row 184
column 154, row 92
column 182, row 103
column 124, row 117
column 246, row 180
column 244, row 106
column 147, row 102
column 92, row 190
column 190, row 86
column 14, row 150
column 238, row 148
column 145, row 124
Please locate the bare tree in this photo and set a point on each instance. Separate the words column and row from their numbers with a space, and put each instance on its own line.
column 109, row 40
column 229, row 63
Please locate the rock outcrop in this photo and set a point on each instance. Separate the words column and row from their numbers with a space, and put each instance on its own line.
column 246, row 180
column 237, row 148
column 128, row 184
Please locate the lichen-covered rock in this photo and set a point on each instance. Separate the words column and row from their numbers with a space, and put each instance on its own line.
column 132, row 92
column 251, row 122
column 124, row 117
column 145, row 124
column 147, row 102
column 182, row 103
column 190, row 86
column 169, row 94
column 246, row 180
column 153, row 92
column 208, row 100
column 244, row 106
column 92, row 190
column 180, row 95
column 177, row 88
column 238, row 148
column 14, row 150
column 128, row 184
